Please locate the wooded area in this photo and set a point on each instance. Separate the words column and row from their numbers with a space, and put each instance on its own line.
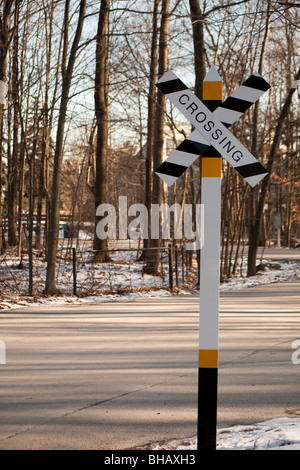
column 82, row 123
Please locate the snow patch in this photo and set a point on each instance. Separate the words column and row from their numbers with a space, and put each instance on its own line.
column 275, row 434
column 119, row 280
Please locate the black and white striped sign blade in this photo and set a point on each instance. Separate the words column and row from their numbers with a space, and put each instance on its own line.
column 227, row 113
column 182, row 158
column 241, row 100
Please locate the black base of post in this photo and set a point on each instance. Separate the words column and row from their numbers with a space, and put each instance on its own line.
column 207, row 408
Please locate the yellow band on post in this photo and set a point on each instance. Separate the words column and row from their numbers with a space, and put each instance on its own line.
column 208, row 358
column 211, row 167
column 212, row 91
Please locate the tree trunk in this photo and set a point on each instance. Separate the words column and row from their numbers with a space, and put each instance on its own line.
column 4, row 45
column 67, row 72
column 21, row 198
column 31, row 160
column 42, row 191
column 150, row 124
column 12, row 189
column 199, row 48
column 197, row 18
column 101, row 112
column 152, row 264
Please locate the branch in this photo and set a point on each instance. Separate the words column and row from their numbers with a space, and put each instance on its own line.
column 221, row 7
column 274, row 148
column 286, row 4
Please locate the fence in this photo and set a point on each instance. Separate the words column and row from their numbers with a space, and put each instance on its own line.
column 124, row 272
column 78, row 274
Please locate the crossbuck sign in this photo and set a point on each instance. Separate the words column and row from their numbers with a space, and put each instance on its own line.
column 212, row 130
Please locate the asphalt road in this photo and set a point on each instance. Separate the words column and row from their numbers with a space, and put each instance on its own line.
column 120, row 375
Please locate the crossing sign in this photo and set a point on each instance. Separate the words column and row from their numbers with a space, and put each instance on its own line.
column 212, row 128
column 211, row 138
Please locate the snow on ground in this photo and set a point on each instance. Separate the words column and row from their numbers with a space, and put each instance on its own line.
column 268, row 273
column 275, row 434
column 120, row 279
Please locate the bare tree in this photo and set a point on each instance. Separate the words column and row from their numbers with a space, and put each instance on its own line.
column 151, row 121
column 12, row 175
column 101, row 112
column 5, row 39
column 44, row 161
column 67, row 72
column 157, row 194
column 254, row 234
column 253, row 192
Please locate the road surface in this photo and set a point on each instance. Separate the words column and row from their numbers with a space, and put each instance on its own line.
column 121, row 375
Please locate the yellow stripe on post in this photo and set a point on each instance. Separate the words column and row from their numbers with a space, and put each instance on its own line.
column 208, row 358
column 212, row 91
column 211, row 167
